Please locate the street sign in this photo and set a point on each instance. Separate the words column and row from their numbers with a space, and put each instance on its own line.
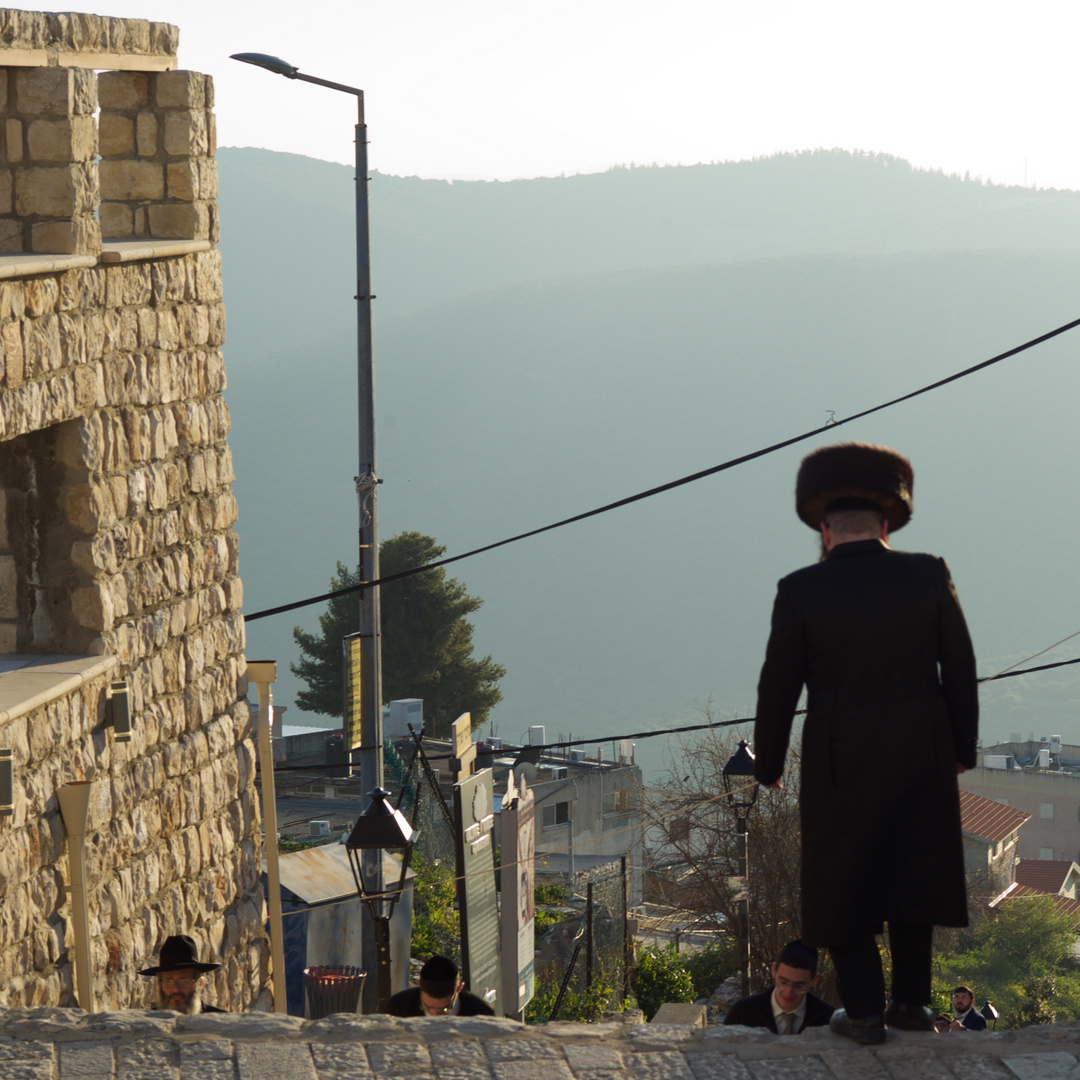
column 474, row 816
column 518, row 876
column 353, row 649
column 461, row 765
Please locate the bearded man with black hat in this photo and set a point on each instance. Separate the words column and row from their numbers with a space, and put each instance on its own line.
column 180, row 975
column 878, row 639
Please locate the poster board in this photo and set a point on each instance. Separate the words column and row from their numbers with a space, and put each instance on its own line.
column 518, row 875
column 474, row 817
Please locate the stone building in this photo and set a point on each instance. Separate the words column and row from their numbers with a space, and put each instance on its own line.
column 118, row 562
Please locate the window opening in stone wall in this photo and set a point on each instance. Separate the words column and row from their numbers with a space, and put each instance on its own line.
column 35, row 546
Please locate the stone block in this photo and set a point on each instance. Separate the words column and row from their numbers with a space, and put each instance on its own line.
column 14, row 366
column 71, row 138
column 132, row 180
column 116, row 135
column 40, row 296
column 61, row 191
column 183, row 179
column 186, row 134
column 181, row 90
column 55, row 91
column 12, row 238
column 12, row 300
column 146, row 131
column 79, row 237
column 124, row 90
column 6, row 180
column 117, row 220
column 3, row 88
column 92, row 606
column 13, row 144
column 180, row 221
column 9, row 587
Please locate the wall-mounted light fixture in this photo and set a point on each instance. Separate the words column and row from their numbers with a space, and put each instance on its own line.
column 7, row 782
column 118, row 710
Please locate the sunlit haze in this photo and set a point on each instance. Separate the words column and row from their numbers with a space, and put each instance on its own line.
column 486, row 89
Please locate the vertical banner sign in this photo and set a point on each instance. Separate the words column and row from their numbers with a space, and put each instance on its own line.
column 474, row 816
column 518, row 819
column 351, row 661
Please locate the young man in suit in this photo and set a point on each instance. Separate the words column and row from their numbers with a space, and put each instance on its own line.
column 788, row 1008
column 439, row 993
column 966, row 1016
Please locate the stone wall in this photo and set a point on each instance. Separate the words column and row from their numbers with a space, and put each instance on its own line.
column 116, row 537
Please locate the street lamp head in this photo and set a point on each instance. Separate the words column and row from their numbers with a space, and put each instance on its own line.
column 379, row 828
column 739, row 769
column 271, row 63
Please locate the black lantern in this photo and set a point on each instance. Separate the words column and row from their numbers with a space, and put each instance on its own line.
column 741, row 790
column 738, row 776
column 380, row 828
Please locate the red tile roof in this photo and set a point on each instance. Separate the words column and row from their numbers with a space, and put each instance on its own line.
column 1064, row 904
column 1043, row 875
column 989, row 820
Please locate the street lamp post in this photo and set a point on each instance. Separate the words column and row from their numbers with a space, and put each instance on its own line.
column 378, row 829
column 370, row 738
column 741, row 791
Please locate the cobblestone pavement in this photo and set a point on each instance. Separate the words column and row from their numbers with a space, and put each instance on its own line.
column 66, row 1044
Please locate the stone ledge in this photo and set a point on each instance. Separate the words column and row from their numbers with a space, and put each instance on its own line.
column 17, row 266
column 124, row 251
column 63, row 1044
column 29, row 681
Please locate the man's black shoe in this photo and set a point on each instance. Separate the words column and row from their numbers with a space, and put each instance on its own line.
column 866, row 1032
column 909, row 1017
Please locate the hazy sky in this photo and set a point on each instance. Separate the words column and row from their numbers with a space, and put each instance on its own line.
column 504, row 89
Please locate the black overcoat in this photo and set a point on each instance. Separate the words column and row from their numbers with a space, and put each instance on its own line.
column 878, row 639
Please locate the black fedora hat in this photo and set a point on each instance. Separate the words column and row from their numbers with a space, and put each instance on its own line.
column 177, row 954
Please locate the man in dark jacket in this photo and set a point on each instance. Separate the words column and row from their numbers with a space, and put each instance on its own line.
column 439, row 993
column 788, row 1007
column 878, row 639
column 180, row 976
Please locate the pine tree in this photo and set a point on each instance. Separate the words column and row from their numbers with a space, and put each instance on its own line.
column 427, row 641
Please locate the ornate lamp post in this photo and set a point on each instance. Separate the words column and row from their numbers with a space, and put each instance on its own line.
column 380, row 828
column 741, row 791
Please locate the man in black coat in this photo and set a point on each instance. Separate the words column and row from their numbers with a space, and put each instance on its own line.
column 179, row 976
column 878, row 639
column 439, row 993
column 788, row 1008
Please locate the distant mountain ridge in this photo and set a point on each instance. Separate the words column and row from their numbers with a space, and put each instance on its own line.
column 546, row 346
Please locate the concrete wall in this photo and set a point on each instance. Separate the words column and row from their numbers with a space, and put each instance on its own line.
column 1035, row 791
column 116, row 519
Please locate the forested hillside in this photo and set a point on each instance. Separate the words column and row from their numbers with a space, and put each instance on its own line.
column 549, row 345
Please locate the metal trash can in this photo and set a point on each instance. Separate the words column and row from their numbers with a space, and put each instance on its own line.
column 333, row 989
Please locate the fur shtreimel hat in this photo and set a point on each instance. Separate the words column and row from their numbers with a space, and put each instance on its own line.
column 851, row 476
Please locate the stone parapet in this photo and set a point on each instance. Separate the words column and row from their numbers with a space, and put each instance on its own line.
column 49, row 183
column 69, row 38
column 53, row 1044
column 158, row 139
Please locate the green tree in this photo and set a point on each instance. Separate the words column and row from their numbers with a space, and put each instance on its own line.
column 427, row 641
column 661, row 975
column 1022, row 961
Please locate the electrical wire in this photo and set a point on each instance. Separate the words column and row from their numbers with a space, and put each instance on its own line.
column 669, row 486
column 1007, row 673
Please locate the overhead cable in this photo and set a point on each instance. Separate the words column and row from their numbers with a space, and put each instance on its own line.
column 1006, row 674
column 672, row 484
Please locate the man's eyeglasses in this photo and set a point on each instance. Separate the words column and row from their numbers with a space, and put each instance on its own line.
column 787, row 984
column 440, row 1009
column 177, row 984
